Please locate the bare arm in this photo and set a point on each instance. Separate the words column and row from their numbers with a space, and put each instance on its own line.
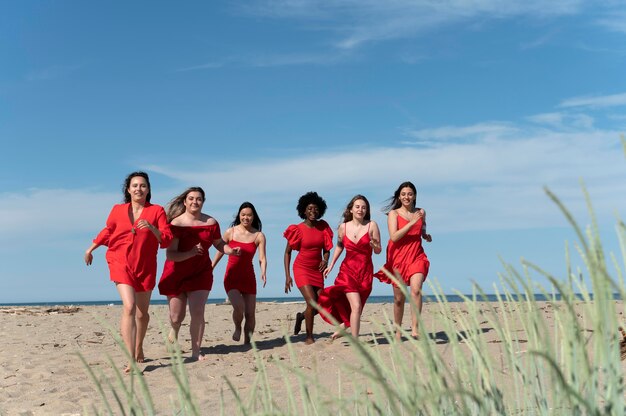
column 425, row 235
column 375, row 238
column 88, row 254
column 337, row 252
column 262, row 258
column 218, row 254
column 287, row 262
column 396, row 234
column 173, row 254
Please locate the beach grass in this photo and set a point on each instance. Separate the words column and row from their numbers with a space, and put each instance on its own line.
column 571, row 368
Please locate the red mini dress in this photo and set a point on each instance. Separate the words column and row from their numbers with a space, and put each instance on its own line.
column 406, row 256
column 195, row 273
column 309, row 242
column 239, row 270
column 355, row 275
column 132, row 252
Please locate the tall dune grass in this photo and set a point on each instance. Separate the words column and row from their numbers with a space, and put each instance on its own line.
column 572, row 367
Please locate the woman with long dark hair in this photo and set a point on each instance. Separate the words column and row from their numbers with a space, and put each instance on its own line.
column 133, row 232
column 239, row 279
column 406, row 258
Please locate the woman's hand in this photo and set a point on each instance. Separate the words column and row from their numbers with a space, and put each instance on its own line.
column 88, row 258
column 197, row 250
column 427, row 237
column 323, row 265
column 288, row 283
column 327, row 271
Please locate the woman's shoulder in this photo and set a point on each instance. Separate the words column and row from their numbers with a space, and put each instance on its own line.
column 206, row 219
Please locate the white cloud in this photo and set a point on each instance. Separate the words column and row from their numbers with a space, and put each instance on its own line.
column 598, row 101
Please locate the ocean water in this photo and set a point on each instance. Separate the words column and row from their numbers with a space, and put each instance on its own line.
column 288, row 299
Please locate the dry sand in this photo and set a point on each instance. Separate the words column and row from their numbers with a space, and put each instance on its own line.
column 41, row 373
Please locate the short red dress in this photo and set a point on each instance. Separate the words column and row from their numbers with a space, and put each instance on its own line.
column 355, row 275
column 195, row 273
column 132, row 252
column 406, row 256
column 239, row 270
column 309, row 242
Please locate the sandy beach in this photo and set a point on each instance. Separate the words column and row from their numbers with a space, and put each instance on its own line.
column 41, row 373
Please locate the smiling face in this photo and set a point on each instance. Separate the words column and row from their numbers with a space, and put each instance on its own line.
column 194, row 202
column 138, row 189
column 246, row 216
column 359, row 209
column 311, row 212
column 407, row 198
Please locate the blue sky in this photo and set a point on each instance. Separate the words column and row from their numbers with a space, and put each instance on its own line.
column 481, row 104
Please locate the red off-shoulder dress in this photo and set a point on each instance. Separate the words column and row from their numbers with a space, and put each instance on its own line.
column 132, row 252
column 309, row 242
column 195, row 273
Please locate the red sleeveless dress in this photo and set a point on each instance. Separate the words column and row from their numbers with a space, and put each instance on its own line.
column 355, row 275
column 239, row 270
column 195, row 273
column 406, row 256
column 309, row 242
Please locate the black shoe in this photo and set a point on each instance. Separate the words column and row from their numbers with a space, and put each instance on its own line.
column 298, row 326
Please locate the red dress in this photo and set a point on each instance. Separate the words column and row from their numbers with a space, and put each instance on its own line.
column 195, row 273
column 406, row 256
column 355, row 275
column 239, row 270
column 309, row 241
column 132, row 252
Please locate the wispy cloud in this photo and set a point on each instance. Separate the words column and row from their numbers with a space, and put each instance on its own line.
column 52, row 72
column 356, row 22
column 614, row 20
column 561, row 120
column 273, row 60
column 598, row 101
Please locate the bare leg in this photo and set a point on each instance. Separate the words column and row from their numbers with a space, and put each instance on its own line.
column 128, row 326
column 355, row 313
column 178, row 306
column 416, row 295
column 310, row 294
column 239, row 307
column 398, row 310
column 142, row 319
column 250, row 315
column 197, row 302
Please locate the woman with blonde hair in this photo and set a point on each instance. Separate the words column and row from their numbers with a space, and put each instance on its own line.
column 188, row 274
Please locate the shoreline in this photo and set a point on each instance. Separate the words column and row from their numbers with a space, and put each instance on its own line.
column 377, row 299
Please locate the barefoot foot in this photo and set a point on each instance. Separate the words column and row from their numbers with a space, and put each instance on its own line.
column 237, row 334
column 309, row 341
column 199, row 357
column 172, row 337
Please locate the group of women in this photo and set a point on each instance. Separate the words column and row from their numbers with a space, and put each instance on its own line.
column 136, row 228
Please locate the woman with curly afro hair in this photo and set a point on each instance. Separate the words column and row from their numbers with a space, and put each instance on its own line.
column 313, row 239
